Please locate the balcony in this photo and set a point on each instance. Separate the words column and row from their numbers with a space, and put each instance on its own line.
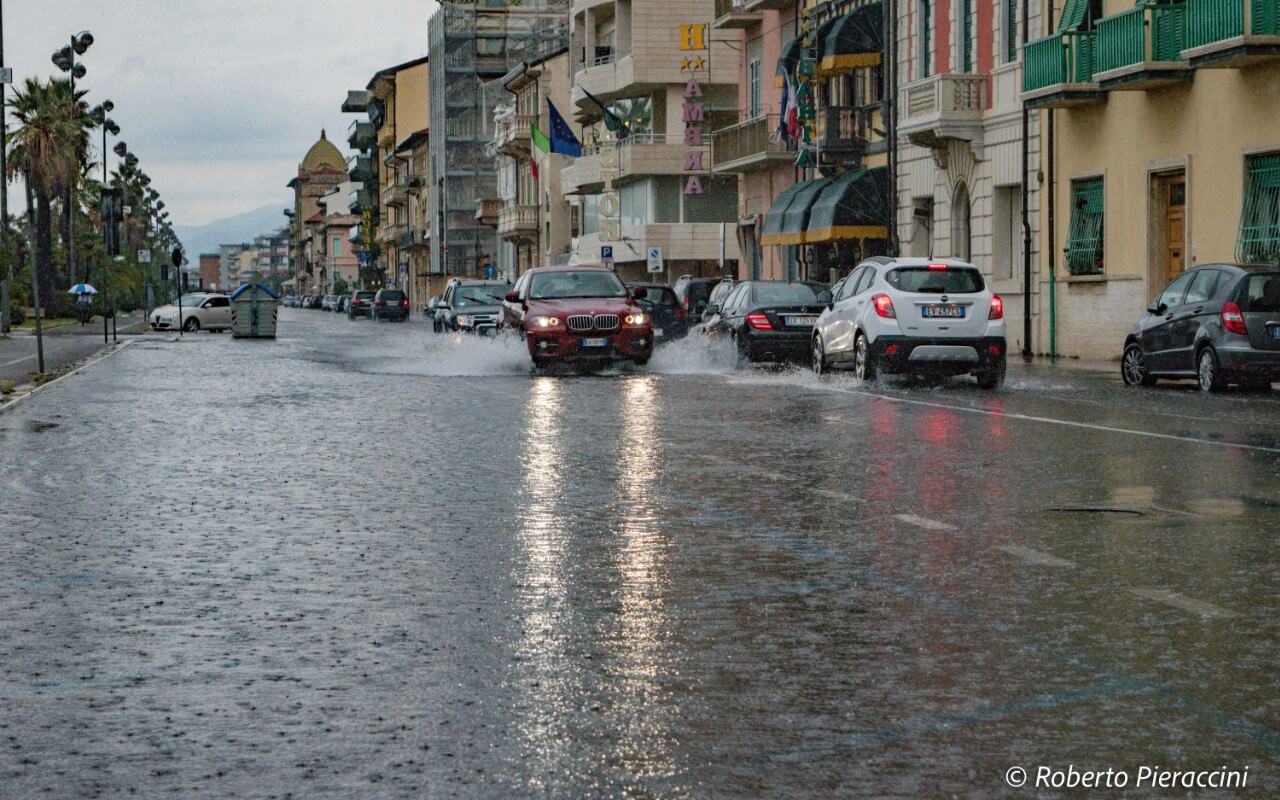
column 396, row 194
column 1141, row 48
column 419, row 239
column 1225, row 34
column 749, row 146
column 768, row 5
column 733, row 14
column 362, row 170
column 519, row 222
column 511, row 136
column 487, row 210
column 1058, row 71
column 357, row 102
column 943, row 107
column 361, row 135
column 390, row 234
column 842, row 134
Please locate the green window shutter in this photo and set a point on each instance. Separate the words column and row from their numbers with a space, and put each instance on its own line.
column 1259, row 240
column 1073, row 15
column 926, row 21
column 1011, row 31
column 966, row 59
column 1084, row 237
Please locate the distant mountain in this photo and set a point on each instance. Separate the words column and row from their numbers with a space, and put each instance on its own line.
column 197, row 239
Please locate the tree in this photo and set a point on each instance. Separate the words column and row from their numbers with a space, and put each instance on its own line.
column 46, row 151
column 340, row 285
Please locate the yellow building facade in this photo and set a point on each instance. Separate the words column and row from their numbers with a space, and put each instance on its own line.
column 1162, row 148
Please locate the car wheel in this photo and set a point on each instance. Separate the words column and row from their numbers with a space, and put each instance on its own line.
column 863, row 364
column 992, row 377
column 818, row 359
column 1208, row 372
column 1133, row 367
column 191, row 325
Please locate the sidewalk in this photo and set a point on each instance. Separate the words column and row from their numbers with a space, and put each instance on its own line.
column 64, row 344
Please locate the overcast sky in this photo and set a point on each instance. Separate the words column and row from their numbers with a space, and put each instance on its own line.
column 220, row 99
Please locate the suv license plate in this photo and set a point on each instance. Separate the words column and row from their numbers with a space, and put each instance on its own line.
column 595, row 342
column 949, row 312
column 1275, row 331
column 794, row 322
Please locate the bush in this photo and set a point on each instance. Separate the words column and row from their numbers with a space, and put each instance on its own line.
column 61, row 305
column 16, row 315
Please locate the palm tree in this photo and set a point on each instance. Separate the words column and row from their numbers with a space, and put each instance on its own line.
column 46, row 151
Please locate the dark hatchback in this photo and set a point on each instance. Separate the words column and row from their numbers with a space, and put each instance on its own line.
column 361, row 304
column 1218, row 324
column 769, row 321
column 670, row 319
column 390, row 304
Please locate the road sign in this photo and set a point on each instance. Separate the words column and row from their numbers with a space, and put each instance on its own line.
column 144, row 256
column 606, row 253
column 6, row 75
column 655, row 260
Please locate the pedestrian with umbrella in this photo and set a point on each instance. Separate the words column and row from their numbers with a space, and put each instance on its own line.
column 84, row 310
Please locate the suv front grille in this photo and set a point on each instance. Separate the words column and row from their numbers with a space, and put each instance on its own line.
column 601, row 322
column 580, row 322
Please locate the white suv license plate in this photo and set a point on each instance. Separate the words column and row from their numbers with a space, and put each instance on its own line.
column 595, row 342
column 795, row 322
column 942, row 312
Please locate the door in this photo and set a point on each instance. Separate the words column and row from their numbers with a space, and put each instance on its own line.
column 839, row 334
column 1157, row 331
column 1175, row 226
column 1196, row 308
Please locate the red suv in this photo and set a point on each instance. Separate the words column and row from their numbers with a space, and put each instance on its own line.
column 578, row 314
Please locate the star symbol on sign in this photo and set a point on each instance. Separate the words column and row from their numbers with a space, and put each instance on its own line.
column 699, row 63
column 684, row 64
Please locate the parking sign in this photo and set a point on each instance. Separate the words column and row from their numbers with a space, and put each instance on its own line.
column 606, row 253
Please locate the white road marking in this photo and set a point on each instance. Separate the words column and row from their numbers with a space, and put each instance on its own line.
column 924, row 522
column 1177, row 511
column 1183, row 603
column 1032, row 556
column 1053, row 421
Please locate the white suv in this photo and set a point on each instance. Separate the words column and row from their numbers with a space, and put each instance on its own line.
column 913, row 315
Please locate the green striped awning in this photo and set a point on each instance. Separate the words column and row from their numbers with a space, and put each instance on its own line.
column 791, row 211
column 853, row 206
column 852, row 41
column 775, row 217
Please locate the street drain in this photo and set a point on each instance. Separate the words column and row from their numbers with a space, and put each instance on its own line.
column 1121, row 513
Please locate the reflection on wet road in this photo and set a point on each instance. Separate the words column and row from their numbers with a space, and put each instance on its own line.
column 368, row 561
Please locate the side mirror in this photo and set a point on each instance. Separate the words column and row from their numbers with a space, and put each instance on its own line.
column 513, row 297
column 639, row 292
column 825, row 298
column 1155, row 308
column 711, row 308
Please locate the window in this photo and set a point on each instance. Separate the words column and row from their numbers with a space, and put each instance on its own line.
column 754, row 104
column 1204, row 287
column 1084, row 236
column 864, row 283
column 1172, row 295
column 1006, row 231
column 924, row 37
column 850, row 284
column 960, row 238
column 337, row 246
column 1259, row 240
column 966, row 36
column 1010, row 31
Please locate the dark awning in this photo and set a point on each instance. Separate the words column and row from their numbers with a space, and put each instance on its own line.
column 775, row 216
column 788, row 217
column 852, row 41
column 788, row 59
column 852, row 206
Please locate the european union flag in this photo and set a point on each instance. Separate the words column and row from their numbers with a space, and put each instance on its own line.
column 562, row 139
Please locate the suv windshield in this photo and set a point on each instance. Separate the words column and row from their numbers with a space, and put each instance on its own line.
column 767, row 294
column 1262, row 293
column 392, row 294
column 564, row 285
column 953, row 280
column 479, row 295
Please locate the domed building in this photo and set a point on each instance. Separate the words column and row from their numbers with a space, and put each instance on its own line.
column 321, row 170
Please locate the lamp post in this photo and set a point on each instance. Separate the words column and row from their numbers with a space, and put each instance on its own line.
column 100, row 118
column 65, row 60
column 4, row 191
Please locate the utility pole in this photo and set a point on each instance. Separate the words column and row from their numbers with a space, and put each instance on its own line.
column 4, row 189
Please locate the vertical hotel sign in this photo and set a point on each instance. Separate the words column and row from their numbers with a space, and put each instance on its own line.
column 693, row 46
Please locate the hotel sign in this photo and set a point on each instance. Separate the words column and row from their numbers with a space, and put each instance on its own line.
column 693, row 39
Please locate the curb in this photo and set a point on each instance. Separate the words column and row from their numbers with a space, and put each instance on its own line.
column 5, row 406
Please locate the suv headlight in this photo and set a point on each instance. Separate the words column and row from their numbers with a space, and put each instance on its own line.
column 546, row 322
column 463, row 320
column 636, row 319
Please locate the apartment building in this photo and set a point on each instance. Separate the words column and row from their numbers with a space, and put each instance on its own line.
column 1165, row 155
column 651, row 81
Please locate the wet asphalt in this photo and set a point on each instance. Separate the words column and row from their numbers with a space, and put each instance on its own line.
column 364, row 560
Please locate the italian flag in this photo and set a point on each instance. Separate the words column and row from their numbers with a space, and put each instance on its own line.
column 542, row 143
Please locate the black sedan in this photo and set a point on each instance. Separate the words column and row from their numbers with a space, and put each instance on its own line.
column 1217, row 324
column 769, row 321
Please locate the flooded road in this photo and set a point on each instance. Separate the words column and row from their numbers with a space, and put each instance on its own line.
column 369, row 561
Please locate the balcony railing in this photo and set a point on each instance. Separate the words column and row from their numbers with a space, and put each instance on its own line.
column 1141, row 35
column 511, row 133
column 1213, row 21
column 944, row 107
column 843, row 128
column 487, row 210
column 1060, row 61
column 755, row 141
column 518, row 220
column 734, row 14
column 397, row 193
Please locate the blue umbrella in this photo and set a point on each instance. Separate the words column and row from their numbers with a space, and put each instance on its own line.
column 82, row 288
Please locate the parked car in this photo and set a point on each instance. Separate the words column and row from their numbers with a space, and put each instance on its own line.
column 327, row 302
column 312, row 301
column 471, row 306
column 670, row 319
column 361, row 304
column 694, row 293
column 1217, row 323
column 768, row 320
column 578, row 314
column 913, row 315
column 390, row 304
column 343, row 301
column 209, row 311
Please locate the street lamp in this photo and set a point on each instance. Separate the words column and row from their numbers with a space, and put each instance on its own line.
column 65, row 60
column 109, row 205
